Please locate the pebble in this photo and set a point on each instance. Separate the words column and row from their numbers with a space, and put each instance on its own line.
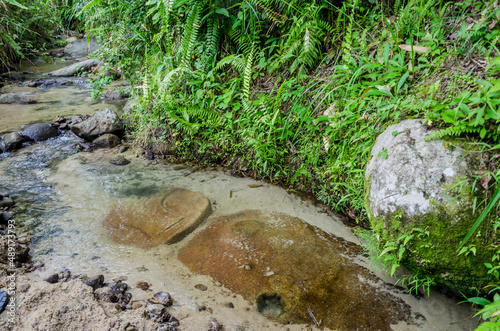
column 52, row 279
column 143, row 285
column 154, row 310
column 162, row 298
column 23, row 287
column 24, row 240
column 95, row 282
column 64, row 309
column 201, row 287
column 229, row 305
column 123, row 149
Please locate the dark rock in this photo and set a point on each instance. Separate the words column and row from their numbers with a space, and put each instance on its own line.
column 123, row 149
column 125, row 298
column 162, row 298
column 12, row 98
column 6, row 202
column 229, row 305
column 39, row 131
column 81, row 47
column 5, row 216
column 13, row 140
column 2, row 146
column 64, row 309
column 118, row 287
column 52, row 279
column 104, row 121
column 201, row 287
column 107, row 140
column 75, row 68
column 105, row 294
column 95, row 282
column 4, row 300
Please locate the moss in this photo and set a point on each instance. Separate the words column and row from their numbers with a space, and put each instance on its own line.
column 436, row 254
column 447, row 222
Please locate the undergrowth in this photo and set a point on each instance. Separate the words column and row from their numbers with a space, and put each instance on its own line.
column 25, row 27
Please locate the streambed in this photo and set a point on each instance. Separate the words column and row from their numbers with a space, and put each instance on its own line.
column 64, row 196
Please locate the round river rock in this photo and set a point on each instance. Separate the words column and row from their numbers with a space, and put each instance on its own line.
column 163, row 219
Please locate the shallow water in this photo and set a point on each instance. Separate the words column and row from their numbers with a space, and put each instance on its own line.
column 63, row 197
column 73, row 98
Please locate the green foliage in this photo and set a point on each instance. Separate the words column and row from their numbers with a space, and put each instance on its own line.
column 24, row 28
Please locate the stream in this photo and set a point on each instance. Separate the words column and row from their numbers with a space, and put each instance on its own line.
column 263, row 259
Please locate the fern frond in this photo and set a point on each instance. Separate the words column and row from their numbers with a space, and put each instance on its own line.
column 235, row 60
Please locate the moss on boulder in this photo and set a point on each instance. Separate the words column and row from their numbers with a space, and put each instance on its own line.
column 431, row 185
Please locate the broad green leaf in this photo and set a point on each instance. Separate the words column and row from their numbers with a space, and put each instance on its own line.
column 222, row 11
column 402, row 81
column 479, row 301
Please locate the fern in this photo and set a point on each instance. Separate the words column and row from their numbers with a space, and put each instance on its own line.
column 191, row 29
column 453, row 131
column 247, row 77
column 235, row 60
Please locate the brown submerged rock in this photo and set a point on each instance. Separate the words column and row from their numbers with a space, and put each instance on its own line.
column 297, row 274
column 164, row 219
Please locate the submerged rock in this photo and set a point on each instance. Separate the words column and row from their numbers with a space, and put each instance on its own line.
column 428, row 190
column 107, row 140
column 119, row 160
column 39, row 132
column 164, row 219
column 81, row 47
column 13, row 98
column 75, row 68
column 297, row 271
column 102, row 122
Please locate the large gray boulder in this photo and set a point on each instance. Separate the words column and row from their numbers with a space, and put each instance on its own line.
column 104, row 121
column 13, row 98
column 39, row 131
column 427, row 191
column 75, row 68
column 81, row 47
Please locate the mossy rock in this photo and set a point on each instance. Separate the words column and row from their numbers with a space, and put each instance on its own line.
column 429, row 190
